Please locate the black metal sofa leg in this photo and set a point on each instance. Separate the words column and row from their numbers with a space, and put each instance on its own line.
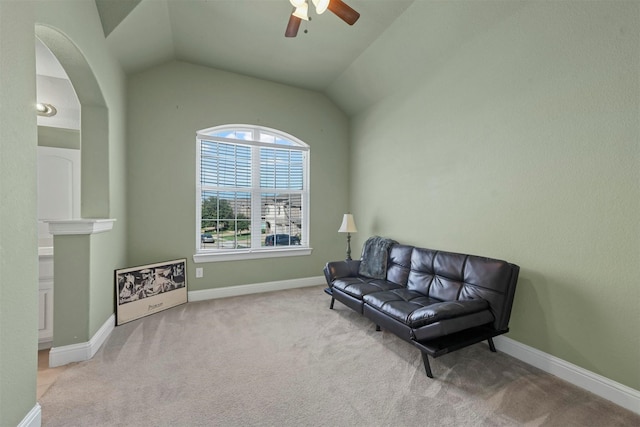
column 331, row 305
column 492, row 347
column 427, row 367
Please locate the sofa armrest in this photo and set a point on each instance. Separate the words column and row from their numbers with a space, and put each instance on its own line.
column 446, row 310
column 336, row 269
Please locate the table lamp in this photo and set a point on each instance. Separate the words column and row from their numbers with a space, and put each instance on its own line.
column 348, row 226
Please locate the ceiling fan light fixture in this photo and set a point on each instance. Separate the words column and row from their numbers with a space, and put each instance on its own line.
column 297, row 3
column 321, row 5
column 302, row 12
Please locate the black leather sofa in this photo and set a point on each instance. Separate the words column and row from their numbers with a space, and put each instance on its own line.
column 438, row 301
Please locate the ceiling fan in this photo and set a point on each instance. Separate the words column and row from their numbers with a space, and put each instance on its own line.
column 301, row 11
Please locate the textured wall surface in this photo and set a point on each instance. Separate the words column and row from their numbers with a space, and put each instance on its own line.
column 522, row 144
column 167, row 106
column 73, row 30
column 18, row 234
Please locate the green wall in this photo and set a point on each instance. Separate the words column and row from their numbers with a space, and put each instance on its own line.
column 83, row 284
column 72, row 257
column 167, row 105
column 73, row 29
column 521, row 143
column 18, row 235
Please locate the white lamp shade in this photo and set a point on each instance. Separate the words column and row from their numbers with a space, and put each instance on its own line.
column 348, row 224
column 302, row 11
column 321, row 6
column 297, row 3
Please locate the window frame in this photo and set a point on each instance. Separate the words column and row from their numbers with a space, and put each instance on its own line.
column 213, row 255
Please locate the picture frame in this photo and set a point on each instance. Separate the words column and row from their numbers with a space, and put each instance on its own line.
column 148, row 289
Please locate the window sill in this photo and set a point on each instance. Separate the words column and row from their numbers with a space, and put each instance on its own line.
column 238, row 255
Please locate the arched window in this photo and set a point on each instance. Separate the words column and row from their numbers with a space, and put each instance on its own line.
column 252, row 193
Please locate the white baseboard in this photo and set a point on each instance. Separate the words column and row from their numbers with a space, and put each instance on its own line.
column 232, row 291
column 617, row 393
column 33, row 418
column 59, row 356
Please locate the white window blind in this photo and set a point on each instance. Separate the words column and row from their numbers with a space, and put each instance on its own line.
column 252, row 189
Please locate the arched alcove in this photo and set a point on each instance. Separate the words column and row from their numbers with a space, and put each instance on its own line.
column 74, row 263
column 94, row 122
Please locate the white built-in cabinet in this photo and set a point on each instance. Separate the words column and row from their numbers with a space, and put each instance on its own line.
column 45, row 320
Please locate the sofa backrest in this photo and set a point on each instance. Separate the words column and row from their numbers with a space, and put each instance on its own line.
column 399, row 264
column 449, row 276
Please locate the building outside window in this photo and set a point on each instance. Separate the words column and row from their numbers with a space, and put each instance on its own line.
column 252, row 193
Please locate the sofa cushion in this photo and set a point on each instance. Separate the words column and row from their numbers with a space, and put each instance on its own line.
column 359, row 286
column 421, row 274
column 449, row 270
column 398, row 303
column 399, row 264
column 445, row 310
column 438, row 274
column 492, row 280
column 417, row 310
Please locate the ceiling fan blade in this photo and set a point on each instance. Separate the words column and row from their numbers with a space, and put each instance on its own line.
column 344, row 11
column 292, row 26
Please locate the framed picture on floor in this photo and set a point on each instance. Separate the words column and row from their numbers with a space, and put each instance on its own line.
column 148, row 289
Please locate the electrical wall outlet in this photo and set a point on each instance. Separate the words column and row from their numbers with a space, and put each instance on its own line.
column 199, row 273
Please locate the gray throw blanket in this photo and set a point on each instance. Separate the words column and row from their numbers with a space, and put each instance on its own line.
column 374, row 257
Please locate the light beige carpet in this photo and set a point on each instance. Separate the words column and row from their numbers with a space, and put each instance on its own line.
column 285, row 359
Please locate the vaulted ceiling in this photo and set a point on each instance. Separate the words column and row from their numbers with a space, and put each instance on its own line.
column 243, row 36
column 393, row 45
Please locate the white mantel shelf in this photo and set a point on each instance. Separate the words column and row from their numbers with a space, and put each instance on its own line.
column 79, row 226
